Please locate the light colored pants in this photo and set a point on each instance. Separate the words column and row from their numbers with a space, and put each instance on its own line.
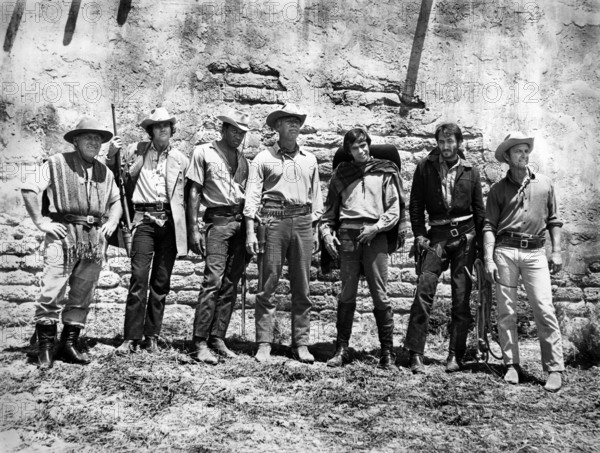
column 532, row 265
column 289, row 238
column 81, row 275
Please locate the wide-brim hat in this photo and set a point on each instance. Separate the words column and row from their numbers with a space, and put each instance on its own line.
column 512, row 139
column 158, row 115
column 288, row 110
column 238, row 119
column 88, row 124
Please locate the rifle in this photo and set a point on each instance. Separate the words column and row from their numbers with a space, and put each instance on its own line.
column 125, row 224
column 483, row 322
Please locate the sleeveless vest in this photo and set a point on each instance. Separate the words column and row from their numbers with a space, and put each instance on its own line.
column 74, row 194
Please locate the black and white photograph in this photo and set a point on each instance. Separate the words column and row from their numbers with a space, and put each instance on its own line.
column 299, row 226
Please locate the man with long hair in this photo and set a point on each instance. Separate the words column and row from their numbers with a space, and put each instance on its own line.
column 364, row 203
column 154, row 185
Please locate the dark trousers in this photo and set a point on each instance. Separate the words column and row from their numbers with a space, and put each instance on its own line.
column 290, row 238
column 374, row 260
column 459, row 253
column 223, row 268
column 153, row 247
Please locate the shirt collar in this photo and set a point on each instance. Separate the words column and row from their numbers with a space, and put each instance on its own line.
column 435, row 152
column 279, row 150
column 215, row 146
column 166, row 151
column 443, row 162
column 510, row 178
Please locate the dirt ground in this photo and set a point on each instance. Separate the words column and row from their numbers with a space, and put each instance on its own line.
column 167, row 402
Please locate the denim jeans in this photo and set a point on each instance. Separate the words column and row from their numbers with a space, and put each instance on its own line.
column 153, row 253
column 223, row 268
column 458, row 253
column 290, row 238
column 532, row 266
column 81, row 275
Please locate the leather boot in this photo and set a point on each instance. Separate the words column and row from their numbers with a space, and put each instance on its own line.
column 151, row 344
column 127, row 347
column 202, row 353
column 385, row 328
column 340, row 357
column 221, row 348
column 416, row 363
column 68, row 346
column 46, row 333
column 345, row 319
column 453, row 364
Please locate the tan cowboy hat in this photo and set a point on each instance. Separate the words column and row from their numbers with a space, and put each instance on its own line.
column 288, row 110
column 238, row 119
column 512, row 139
column 158, row 115
column 88, row 124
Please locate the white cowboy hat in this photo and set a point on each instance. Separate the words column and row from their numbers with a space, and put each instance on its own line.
column 158, row 115
column 512, row 139
column 288, row 110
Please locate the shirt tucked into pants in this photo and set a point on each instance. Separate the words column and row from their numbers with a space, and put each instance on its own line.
column 225, row 263
column 291, row 238
column 153, row 246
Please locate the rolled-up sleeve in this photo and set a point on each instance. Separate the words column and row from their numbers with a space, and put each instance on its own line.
column 317, row 196
column 492, row 211
column 553, row 214
column 254, row 187
column 195, row 171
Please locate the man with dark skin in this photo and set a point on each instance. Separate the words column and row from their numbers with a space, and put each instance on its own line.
column 520, row 208
column 77, row 222
column 217, row 175
column 449, row 189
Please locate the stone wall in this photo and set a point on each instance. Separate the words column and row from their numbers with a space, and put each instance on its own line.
column 493, row 67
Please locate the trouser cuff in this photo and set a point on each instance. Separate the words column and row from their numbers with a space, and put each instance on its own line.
column 46, row 321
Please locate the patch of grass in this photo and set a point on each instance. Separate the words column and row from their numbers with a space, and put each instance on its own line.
column 166, row 402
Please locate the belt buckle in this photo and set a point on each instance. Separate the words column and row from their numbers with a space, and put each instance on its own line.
column 454, row 232
column 89, row 219
column 160, row 206
column 524, row 243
